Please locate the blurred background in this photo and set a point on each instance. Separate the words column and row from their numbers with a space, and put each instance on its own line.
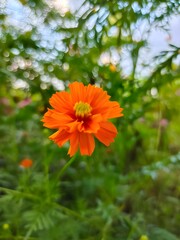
column 128, row 191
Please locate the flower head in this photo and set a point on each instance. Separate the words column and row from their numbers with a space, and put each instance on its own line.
column 80, row 115
column 26, row 163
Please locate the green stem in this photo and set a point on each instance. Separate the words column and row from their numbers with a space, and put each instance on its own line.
column 33, row 197
column 71, row 160
column 16, row 192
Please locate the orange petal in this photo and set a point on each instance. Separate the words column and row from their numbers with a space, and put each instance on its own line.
column 108, row 110
column 89, row 95
column 61, row 102
column 100, row 98
column 100, row 103
column 92, row 94
column 77, row 90
column 114, row 110
column 92, row 124
column 106, row 133
column 53, row 119
column 60, row 137
column 49, row 121
column 74, row 143
column 86, row 144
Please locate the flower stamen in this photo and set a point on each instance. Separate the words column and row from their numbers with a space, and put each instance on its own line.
column 82, row 109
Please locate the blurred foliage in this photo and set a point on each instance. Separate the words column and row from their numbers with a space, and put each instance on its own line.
column 128, row 191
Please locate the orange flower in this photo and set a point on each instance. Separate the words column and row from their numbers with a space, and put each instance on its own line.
column 26, row 163
column 80, row 116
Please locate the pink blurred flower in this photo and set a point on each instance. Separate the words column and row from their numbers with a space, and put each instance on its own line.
column 164, row 122
column 141, row 119
column 178, row 92
column 4, row 101
column 6, row 106
column 24, row 102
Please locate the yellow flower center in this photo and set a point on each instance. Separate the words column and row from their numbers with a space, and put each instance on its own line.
column 82, row 109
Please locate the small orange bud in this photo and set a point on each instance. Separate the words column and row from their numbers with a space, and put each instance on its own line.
column 26, row 163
